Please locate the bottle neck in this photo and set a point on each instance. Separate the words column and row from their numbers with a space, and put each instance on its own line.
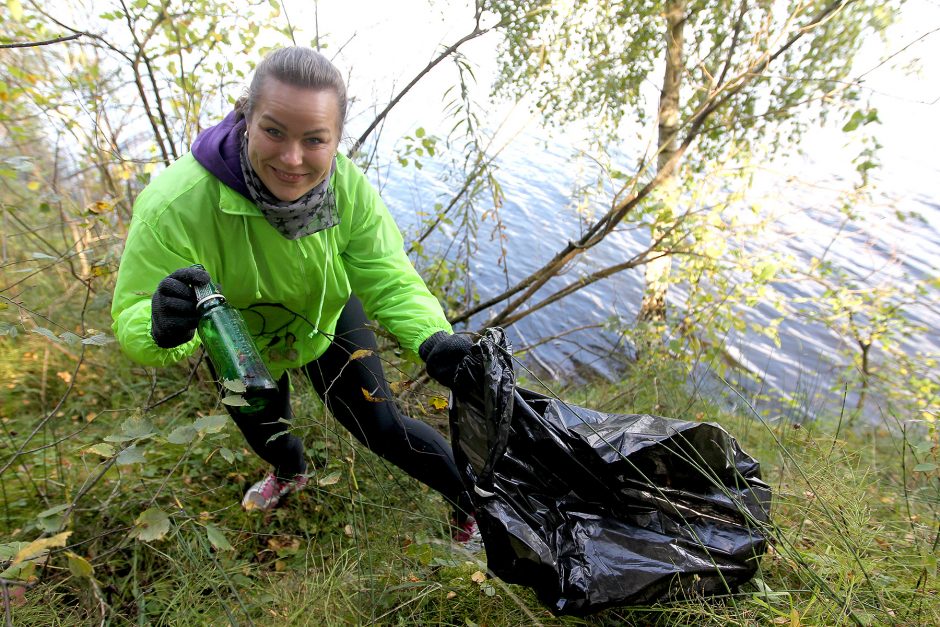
column 208, row 302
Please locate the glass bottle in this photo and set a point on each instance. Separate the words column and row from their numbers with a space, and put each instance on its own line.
column 231, row 350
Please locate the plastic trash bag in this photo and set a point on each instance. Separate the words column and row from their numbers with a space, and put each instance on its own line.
column 593, row 510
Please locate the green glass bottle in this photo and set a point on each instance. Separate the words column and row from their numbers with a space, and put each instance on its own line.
column 230, row 348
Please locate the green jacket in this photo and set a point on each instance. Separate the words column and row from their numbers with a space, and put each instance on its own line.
column 287, row 290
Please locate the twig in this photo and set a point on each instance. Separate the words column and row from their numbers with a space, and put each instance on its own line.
column 476, row 32
column 33, row 44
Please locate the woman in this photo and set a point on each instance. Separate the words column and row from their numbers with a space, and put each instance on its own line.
column 302, row 244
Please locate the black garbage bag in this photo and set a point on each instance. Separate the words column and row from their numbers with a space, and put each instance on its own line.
column 593, row 510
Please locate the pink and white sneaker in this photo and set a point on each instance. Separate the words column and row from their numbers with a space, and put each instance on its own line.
column 267, row 493
column 467, row 534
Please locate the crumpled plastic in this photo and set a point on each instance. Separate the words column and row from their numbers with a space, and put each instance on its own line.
column 594, row 510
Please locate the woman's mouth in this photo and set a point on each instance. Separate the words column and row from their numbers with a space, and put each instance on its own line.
column 288, row 177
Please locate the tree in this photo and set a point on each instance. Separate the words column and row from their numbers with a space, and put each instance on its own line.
column 740, row 80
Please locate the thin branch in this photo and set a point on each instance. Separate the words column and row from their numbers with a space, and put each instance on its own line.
column 32, row 44
column 476, row 32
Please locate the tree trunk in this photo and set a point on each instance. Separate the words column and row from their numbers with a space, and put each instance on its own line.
column 657, row 271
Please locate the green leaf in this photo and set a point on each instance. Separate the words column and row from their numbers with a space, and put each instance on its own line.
column 8, row 550
column 21, row 571
column 234, row 385
column 151, row 525
column 217, row 538
column 235, row 400
column 71, row 339
column 130, row 455
column 38, row 255
column 330, row 479
column 419, row 132
column 47, row 333
column 227, row 455
column 137, row 428
column 52, row 519
column 925, row 467
column 98, row 339
column 182, row 435
column 211, row 424
column 79, row 566
column 105, row 450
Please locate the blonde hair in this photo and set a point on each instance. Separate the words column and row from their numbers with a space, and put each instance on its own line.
column 297, row 66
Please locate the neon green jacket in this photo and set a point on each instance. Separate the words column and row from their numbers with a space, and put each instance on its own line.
column 286, row 289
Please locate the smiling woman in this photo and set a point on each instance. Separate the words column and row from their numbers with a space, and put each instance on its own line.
column 290, row 148
column 302, row 244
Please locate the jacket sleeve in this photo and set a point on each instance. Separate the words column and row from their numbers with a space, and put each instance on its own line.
column 382, row 276
column 145, row 262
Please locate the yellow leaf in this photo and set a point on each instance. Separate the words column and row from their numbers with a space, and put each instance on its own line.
column 40, row 546
column 79, row 566
column 400, row 386
column 16, row 9
column 359, row 354
column 372, row 399
column 65, row 376
column 99, row 207
column 439, row 402
column 33, row 186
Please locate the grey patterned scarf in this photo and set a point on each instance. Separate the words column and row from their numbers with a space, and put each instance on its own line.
column 312, row 212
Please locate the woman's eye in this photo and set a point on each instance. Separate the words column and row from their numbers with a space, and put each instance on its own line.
column 273, row 132
column 313, row 141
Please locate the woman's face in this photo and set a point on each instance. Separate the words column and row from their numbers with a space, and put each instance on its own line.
column 293, row 134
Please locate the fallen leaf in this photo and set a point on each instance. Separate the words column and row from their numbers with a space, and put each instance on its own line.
column 478, row 577
column 439, row 402
column 348, row 530
column 65, row 376
column 451, row 594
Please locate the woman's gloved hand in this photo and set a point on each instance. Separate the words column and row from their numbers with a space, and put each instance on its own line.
column 442, row 354
column 173, row 314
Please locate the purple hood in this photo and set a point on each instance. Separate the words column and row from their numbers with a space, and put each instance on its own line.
column 218, row 150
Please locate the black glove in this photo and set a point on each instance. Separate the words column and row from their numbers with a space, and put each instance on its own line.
column 442, row 354
column 173, row 314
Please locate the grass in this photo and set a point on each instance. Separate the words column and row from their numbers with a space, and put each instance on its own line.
column 854, row 539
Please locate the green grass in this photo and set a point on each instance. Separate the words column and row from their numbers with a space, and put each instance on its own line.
column 854, row 538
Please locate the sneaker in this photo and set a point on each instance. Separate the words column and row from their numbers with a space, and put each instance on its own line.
column 267, row 493
column 467, row 534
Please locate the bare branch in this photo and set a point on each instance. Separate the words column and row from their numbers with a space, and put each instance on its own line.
column 476, row 32
column 33, row 44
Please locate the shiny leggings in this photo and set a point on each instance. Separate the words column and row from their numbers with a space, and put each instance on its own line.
column 415, row 447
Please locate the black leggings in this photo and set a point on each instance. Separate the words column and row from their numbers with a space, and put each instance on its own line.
column 415, row 447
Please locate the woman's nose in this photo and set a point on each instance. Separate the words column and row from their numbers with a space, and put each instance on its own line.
column 292, row 154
